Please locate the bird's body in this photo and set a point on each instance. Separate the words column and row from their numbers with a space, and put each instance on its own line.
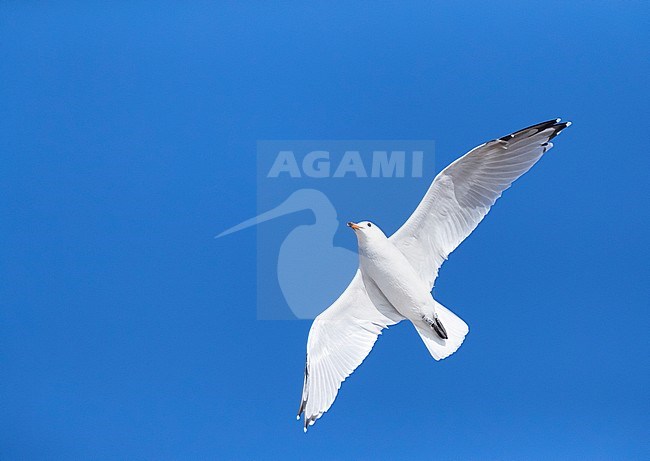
column 388, row 268
column 396, row 274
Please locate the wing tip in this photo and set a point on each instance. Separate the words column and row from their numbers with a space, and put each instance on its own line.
column 558, row 128
column 309, row 421
column 556, row 124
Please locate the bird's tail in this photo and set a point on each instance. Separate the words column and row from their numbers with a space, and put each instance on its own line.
column 456, row 330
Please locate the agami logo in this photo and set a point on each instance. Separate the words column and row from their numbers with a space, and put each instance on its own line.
column 305, row 189
column 317, row 164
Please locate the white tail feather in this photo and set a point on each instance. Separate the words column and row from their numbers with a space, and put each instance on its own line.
column 456, row 329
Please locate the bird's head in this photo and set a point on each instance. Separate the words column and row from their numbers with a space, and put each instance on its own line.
column 367, row 232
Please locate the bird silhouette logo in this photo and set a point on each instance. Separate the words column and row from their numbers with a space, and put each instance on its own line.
column 311, row 270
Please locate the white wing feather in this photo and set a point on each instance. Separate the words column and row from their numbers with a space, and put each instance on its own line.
column 462, row 194
column 339, row 340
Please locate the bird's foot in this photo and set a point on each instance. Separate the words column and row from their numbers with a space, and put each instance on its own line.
column 436, row 325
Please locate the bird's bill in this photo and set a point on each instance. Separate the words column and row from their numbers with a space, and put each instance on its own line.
column 354, row 225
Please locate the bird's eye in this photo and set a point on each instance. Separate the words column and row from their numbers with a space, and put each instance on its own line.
column 369, row 225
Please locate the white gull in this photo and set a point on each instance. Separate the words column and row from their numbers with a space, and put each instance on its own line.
column 396, row 274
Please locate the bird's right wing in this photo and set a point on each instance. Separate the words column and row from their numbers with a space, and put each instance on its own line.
column 339, row 340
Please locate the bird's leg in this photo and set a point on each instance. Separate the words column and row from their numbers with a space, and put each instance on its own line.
column 436, row 325
column 440, row 329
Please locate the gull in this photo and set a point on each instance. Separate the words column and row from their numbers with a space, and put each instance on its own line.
column 396, row 274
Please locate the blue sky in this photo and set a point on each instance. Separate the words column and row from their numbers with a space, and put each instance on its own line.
column 128, row 135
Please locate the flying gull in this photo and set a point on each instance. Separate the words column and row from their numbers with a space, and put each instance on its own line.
column 396, row 274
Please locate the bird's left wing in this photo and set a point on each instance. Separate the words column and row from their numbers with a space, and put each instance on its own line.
column 463, row 193
column 339, row 340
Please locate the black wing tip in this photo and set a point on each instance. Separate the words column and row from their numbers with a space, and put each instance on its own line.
column 303, row 400
column 301, row 409
column 310, row 422
column 556, row 124
column 558, row 127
